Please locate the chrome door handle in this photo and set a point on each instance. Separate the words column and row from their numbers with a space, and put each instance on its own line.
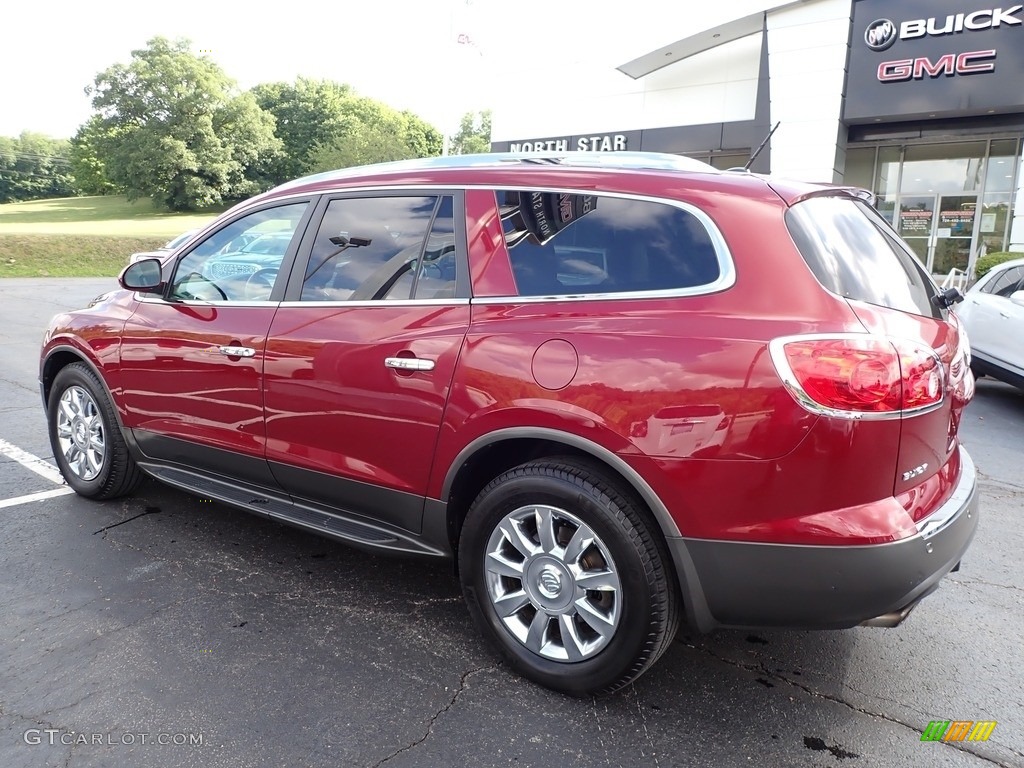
column 408, row 364
column 237, row 351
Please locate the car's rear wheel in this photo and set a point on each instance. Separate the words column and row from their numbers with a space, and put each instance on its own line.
column 562, row 572
column 87, row 443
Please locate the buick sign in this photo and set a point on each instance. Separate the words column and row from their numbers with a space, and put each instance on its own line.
column 880, row 34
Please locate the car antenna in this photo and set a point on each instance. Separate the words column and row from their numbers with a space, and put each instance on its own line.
column 757, row 151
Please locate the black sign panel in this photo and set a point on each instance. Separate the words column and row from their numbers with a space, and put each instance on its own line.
column 934, row 58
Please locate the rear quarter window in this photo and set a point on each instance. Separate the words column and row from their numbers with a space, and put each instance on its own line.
column 854, row 253
column 573, row 243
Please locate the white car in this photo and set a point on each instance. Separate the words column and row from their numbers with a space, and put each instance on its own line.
column 164, row 249
column 993, row 314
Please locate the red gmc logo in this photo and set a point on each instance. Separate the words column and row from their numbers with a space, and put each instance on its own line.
column 969, row 63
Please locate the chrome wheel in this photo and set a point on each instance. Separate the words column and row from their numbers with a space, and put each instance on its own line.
column 552, row 583
column 80, row 433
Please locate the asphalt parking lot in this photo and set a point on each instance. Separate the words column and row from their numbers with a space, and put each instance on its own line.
column 238, row 642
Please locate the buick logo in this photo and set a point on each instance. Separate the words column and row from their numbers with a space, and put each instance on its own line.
column 550, row 582
column 880, row 34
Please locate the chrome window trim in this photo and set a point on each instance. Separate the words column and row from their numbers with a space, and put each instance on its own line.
column 726, row 264
column 782, row 367
column 149, row 298
column 701, row 290
column 380, row 303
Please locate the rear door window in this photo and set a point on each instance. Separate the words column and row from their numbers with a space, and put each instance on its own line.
column 383, row 248
column 1007, row 283
column 854, row 253
column 572, row 243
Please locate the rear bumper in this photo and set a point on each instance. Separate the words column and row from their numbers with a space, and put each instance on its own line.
column 743, row 584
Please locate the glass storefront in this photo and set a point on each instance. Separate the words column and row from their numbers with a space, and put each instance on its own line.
column 952, row 202
column 723, row 161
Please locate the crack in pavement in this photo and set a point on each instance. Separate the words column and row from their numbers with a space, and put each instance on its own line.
column 433, row 719
column 101, row 635
column 972, row 582
column 19, row 385
column 46, row 726
column 42, row 621
column 149, row 511
column 765, row 670
column 994, row 483
column 597, row 722
column 643, row 722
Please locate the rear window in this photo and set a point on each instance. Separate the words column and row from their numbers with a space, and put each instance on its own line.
column 854, row 253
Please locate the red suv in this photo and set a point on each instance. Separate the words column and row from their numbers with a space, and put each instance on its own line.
column 619, row 391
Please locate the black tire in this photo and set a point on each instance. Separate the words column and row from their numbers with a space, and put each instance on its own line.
column 117, row 474
column 647, row 595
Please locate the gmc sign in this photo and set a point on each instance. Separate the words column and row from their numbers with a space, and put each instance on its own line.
column 969, row 63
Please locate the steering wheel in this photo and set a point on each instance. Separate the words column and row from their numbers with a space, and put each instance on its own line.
column 260, row 284
column 186, row 288
column 433, row 270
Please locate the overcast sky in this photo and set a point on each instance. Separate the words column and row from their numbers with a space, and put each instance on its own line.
column 402, row 52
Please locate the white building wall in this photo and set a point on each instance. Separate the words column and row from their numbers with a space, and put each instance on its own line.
column 717, row 86
column 807, row 51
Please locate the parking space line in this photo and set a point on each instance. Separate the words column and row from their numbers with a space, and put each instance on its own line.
column 34, row 463
column 34, row 497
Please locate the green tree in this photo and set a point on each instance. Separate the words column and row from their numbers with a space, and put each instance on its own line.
column 87, row 164
column 34, row 166
column 375, row 133
column 309, row 113
column 172, row 126
column 474, row 134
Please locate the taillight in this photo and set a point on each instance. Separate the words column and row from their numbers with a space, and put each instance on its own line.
column 859, row 376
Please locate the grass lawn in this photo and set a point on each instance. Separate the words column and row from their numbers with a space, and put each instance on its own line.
column 84, row 236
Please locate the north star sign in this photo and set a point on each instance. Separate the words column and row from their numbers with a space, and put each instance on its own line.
column 606, row 142
column 881, row 34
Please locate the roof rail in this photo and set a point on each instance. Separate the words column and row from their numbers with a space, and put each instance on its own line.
column 623, row 160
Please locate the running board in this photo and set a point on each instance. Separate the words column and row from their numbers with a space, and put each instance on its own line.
column 349, row 529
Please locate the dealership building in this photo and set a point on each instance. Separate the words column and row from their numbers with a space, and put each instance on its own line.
column 920, row 101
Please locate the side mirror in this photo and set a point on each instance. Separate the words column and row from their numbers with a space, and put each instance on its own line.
column 947, row 298
column 1017, row 297
column 144, row 276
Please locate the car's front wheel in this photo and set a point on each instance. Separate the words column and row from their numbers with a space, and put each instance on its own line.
column 561, row 570
column 87, row 443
